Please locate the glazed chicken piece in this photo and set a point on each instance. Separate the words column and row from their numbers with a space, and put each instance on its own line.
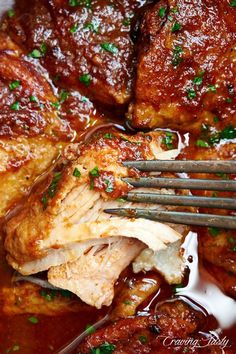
column 83, row 44
column 152, row 333
column 31, row 134
column 185, row 69
column 62, row 226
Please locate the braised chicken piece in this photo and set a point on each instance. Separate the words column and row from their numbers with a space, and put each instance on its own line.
column 152, row 334
column 84, row 44
column 185, row 69
column 31, row 133
column 62, row 226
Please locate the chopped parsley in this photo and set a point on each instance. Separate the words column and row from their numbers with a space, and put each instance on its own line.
column 48, row 295
column 228, row 133
column 216, row 119
column 191, row 94
column 231, row 239
column 127, row 302
column 201, row 143
column 109, row 185
column 126, row 22
column 43, row 48
column 74, row 28
column 174, row 10
column 212, row 88
column 121, row 200
column 33, row 98
column 198, row 80
column 33, row 320
column 14, row 84
column 94, row 172
column 177, row 56
column 168, row 140
column 36, row 54
column 85, row 79
column 162, row 12
column 232, row 3
column 77, row 173
column 92, row 26
column 143, row 339
column 105, row 348
column 176, row 27
column 108, row 136
column 109, row 47
column 63, row 96
column 228, row 100
column 15, row 106
column 10, row 13
column 51, row 191
column 86, row 3
column 90, row 329
column 56, row 105
column 214, row 231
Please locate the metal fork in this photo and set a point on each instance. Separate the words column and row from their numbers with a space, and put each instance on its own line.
column 188, row 218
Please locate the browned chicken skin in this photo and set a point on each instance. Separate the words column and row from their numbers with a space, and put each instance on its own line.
column 31, row 134
column 85, row 45
column 186, row 69
column 185, row 79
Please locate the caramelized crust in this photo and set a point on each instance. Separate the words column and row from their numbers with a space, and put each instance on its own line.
column 31, row 133
column 185, row 68
column 86, row 46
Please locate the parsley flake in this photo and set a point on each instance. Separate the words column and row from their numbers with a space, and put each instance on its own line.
column 94, row 172
column 176, row 27
column 191, row 94
column 33, row 320
column 214, row 231
column 109, row 47
column 14, row 84
column 15, row 106
column 77, row 173
column 162, row 12
column 85, row 79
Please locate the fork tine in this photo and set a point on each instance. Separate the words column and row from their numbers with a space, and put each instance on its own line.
column 167, row 199
column 184, row 166
column 182, row 183
column 209, row 220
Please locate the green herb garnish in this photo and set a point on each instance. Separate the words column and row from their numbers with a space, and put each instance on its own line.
column 108, row 136
column 85, row 79
column 105, row 348
column 10, row 13
column 15, row 106
column 214, row 231
column 143, row 339
column 162, row 12
column 36, row 54
column 14, row 84
column 90, row 329
column 109, row 47
column 92, row 26
column 94, row 172
column 201, row 143
column 191, row 94
column 33, row 319
column 77, row 173
column 74, row 28
column 176, row 27
column 177, row 56
column 212, row 88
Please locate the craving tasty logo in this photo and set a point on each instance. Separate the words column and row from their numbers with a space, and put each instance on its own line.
column 169, row 341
